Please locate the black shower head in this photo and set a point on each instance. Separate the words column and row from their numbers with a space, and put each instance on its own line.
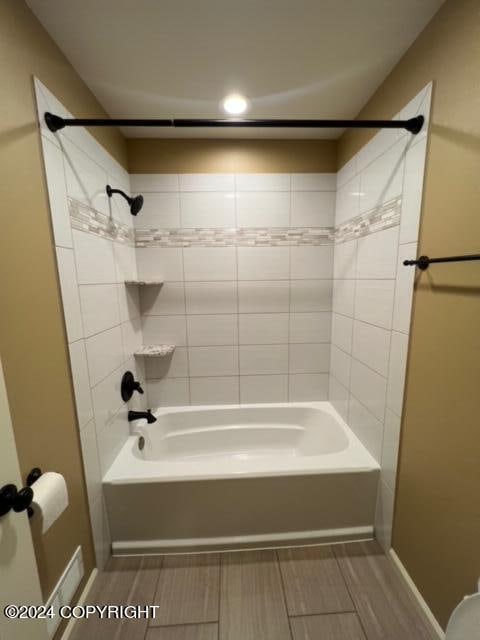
column 135, row 203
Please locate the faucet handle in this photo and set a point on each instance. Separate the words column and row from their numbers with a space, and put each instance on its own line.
column 128, row 386
column 137, row 387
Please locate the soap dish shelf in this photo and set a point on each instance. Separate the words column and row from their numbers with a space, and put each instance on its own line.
column 144, row 282
column 155, row 351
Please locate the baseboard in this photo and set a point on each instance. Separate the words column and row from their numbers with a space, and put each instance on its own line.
column 81, row 601
column 236, row 543
column 409, row 583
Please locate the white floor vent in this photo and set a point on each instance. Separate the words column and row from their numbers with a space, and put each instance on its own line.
column 65, row 589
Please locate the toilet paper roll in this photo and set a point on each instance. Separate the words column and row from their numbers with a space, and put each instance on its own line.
column 50, row 498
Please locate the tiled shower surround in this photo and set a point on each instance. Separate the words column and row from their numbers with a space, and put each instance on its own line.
column 276, row 287
column 372, row 295
column 95, row 254
column 248, row 285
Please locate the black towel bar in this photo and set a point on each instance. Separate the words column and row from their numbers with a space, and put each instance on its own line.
column 423, row 262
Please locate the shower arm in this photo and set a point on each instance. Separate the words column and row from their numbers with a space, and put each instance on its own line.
column 55, row 123
column 110, row 191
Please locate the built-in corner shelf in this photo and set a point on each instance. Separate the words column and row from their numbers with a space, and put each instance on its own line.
column 155, row 350
column 158, row 283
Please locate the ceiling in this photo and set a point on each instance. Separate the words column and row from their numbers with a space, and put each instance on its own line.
column 179, row 58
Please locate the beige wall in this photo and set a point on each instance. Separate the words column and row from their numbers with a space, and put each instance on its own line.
column 32, row 336
column 231, row 156
column 437, row 518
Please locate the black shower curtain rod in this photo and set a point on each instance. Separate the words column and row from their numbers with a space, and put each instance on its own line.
column 55, row 123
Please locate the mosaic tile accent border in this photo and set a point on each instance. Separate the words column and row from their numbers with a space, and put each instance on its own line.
column 383, row 217
column 241, row 237
column 84, row 218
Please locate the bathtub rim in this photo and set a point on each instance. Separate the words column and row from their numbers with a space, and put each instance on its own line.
column 355, row 458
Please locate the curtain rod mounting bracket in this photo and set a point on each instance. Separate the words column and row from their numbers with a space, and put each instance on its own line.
column 53, row 122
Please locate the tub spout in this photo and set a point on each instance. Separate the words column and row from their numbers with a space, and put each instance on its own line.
column 138, row 415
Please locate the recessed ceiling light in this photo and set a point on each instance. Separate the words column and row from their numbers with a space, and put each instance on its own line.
column 235, row 104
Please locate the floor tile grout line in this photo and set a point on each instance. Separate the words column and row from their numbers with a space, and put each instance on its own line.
column 182, row 624
column 220, row 582
column 319, row 613
column 209, row 554
column 322, row 613
column 342, row 573
column 157, row 583
column 284, row 593
column 123, row 622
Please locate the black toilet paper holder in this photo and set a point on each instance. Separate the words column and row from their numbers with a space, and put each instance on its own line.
column 33, row 476
column 21, row 499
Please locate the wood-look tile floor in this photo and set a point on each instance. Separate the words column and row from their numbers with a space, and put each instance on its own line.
column 338, row 592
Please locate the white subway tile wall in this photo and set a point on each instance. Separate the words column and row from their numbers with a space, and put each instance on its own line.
column 102, row 315
column 372, row 295
column 256, row 320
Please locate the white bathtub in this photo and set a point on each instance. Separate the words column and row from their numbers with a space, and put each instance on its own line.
column 240, row 475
